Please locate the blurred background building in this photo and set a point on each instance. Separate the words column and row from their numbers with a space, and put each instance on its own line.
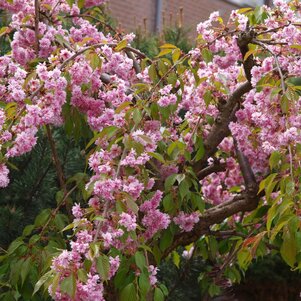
column 155, row 15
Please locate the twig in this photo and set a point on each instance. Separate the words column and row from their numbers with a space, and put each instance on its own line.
column 106, row 205
column 36, row 22
column 215, row 167
column 56, row 159
column 99, row 45
column 165, row 75
column 95, row 19
column 53, row 214
column 260, row 43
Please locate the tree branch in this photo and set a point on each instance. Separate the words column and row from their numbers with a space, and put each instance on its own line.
column 220, row 129
column 36, row 23
column 246, row 201
column 56, row 160
column 245, row 168
column 215, row 167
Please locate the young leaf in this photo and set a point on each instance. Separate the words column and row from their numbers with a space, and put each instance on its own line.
column 68, row 285
column 103, row 266
column 128, row 293
column 140, row 260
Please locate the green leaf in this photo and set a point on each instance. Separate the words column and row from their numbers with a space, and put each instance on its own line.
column 60, row 221
column 270, row 217
column 121, row 107
column 140, row 260
column 207, row 55
column 27, row 230
column 81, row 4
column 176, row 55
column 284, row 103
column 42, row 280
column 166, row 239
column 274, row 159
column 175, row 147
column 121, row 45
column 25, row 269
column 163, row 289
column 3, row 30
column 170, row 181
column 207, row 97
column 244, row 258
column 62, row 41
column 250, row 52
column 107, row 132
column 197, row 201
column 132, row 205
column 158, row 294
column 200, row 152
column 152, row 72
column 82, row 275
column 68, row 285
column 280, row 224
column 296, row 47
column 70, row 2
column 168, row 46
column 15, row 245
column 164, row 52
column 103, row 266
column 157, row 156
column 244, row 10
column 42, row 218
column 168, row 202
column 128, row 293
column 184, row 189
column 214, row 290
column 288, row 248
column 176, row 258
column 144, row 284
column 95, row 61
column 137, row 116
column 267, row 184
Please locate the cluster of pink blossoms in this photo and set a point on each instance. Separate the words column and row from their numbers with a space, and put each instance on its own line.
column 186, row 221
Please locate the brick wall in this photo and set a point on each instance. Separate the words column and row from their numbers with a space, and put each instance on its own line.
column 132, row 14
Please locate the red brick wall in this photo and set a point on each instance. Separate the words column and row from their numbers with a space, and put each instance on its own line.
column 131, row 14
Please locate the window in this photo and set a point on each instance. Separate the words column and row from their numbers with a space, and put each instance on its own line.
column 248, row 2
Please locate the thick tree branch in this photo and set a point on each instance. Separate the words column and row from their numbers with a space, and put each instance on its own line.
column 215, row 167
column 246, row 201
column 220, row 129
column 245, row 168
column 243, row 41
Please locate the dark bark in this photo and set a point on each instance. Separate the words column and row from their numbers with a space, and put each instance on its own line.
column 220, row 129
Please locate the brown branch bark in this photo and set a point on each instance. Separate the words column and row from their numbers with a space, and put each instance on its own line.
column 36, row 23
column 245, row 168
column 220, row 129
column 246, row 201
column 215, row 167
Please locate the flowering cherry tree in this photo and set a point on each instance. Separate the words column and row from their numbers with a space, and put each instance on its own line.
column 199, row 150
